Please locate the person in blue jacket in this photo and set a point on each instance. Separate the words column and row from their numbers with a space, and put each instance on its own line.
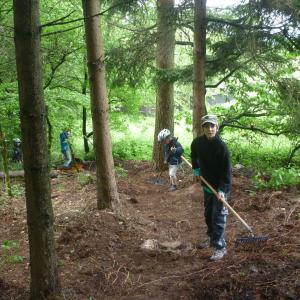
column 172, row 155
column 65, row 147
column 211, row 159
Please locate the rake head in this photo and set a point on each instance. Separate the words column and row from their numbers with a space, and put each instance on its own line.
column 157, row 181
column 160, row 181
column 251, row 242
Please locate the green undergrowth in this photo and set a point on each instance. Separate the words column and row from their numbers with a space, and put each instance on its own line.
column 84, row 178
column 9, row 255
column 120, row 171
column 17, row 189
column 266, row 156
column 277, row 178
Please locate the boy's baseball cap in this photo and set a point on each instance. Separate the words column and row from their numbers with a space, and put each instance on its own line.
column 209, row 119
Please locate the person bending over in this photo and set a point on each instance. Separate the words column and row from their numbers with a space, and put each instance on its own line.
column 172, row 155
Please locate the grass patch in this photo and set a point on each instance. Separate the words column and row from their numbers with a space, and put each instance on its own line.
column 121, row 171
column 9, row 256
column 84, row 179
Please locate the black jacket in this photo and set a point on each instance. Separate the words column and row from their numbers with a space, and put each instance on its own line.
column 170, row 157
column 213, row 159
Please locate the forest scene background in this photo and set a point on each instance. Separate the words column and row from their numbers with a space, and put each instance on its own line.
column 251, row 82
column 254, row 44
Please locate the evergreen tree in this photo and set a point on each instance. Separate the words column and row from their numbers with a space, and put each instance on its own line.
column 107, row 194
column 43, row 262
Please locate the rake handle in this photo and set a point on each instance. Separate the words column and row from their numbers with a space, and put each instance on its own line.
column 221, row 199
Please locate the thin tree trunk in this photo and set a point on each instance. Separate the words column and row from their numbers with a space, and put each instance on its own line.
column 43, row 263
column 3, row 151
column 85, row 140
column 50, row 134
column 164, row 117
column 84, row 112
column 199, row 108
column 107, row 194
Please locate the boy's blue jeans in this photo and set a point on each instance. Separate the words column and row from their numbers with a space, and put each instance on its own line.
column 67, row 157
column 215, row 214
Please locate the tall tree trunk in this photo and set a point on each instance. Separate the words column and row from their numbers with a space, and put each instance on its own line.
column 199, row 108
column 164, row 117
column 84, row 113
column 107, row 194
column 43, row 262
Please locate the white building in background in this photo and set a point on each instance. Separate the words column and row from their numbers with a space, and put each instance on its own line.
column 220, row 100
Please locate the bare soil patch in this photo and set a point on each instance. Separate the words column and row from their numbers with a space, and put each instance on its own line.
column 100, row 256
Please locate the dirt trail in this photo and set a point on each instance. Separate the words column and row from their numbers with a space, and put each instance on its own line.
column 101, row 257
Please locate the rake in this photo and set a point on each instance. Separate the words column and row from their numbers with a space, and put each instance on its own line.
column 158, row 180
column 243, row 242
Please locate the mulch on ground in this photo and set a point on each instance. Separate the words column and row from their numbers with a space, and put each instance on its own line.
column 100, row 256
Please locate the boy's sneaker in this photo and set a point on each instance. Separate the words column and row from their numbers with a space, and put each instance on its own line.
column 204, row 244
column 218, row 254
column 173, row 188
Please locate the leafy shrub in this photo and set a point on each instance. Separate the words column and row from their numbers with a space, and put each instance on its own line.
column 259, row 153
column 18, row 190
column 282, row 177
column 131, row 149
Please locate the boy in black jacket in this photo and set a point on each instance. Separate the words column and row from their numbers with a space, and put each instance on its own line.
column 211, row 159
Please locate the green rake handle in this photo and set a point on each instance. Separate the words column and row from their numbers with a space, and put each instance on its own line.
column 222, row 200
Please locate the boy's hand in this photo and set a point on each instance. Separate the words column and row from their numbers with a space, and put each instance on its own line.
column 221, row 196
column 197, row 179
column 197, row 172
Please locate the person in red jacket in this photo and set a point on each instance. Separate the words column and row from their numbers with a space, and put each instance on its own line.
column 211, row 159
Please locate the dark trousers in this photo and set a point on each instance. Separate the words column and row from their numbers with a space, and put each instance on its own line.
column 215, row 217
